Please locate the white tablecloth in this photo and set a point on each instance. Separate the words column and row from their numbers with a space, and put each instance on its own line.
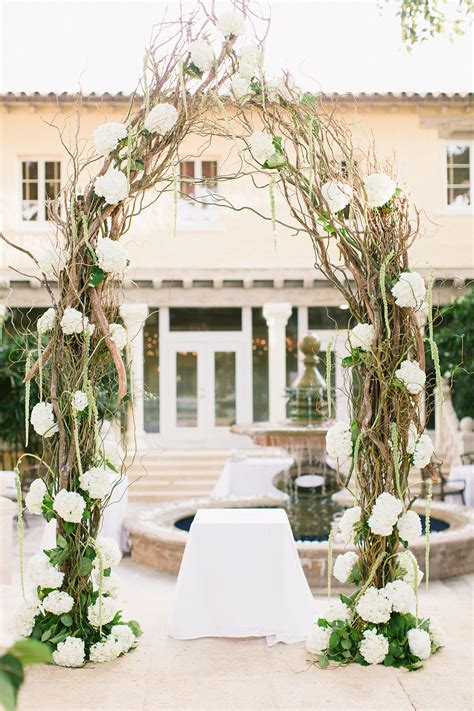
column 112, row 523
column 465, row 472
column 241, row 576
column 251, row 476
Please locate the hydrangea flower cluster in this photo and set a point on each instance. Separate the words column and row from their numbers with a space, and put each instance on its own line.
column 231, row 24
column 118, row 334
column 362, row 336
column 42, row 419
column 112, row 256
column 161, row 119
column 379, row 189
column 412, row 376
column 79, row 401
column 35, row 497
column 374, row 647
column 408, row 566
column 420, row 447
column 25, row 617
column 120, row 640
column 73, row 321
column 349, row 519
column 97, row 482
column 70, row 653
column 385, row 513
column 249, row 56
column 409, row 291
column 202, row 55
column 409, row 527
column 43, row 573
column 102, row 611
column 336, row 195
column 46, row 321
column 339, row 441
column 69, row 506
column 52, row 262
column 108, row 136
column 343, row 566
column 261, row 146
column 112, row 186
column 58, row 603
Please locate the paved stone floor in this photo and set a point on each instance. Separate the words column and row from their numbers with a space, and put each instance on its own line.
column 245, row 674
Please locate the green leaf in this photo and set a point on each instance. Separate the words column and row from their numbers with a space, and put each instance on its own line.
column 275, row 161
column 61, row 541
column 85, row 566
column 30, row 651
column 69, row 526
column 193, row 71
column 7, row 692
column 96, row 276
column 46, row 635
column 308, row 99
column 135, row 627
column 323, row 661
column 13, row 667
column 138, row 165
column 346, row 643
column 66, row 620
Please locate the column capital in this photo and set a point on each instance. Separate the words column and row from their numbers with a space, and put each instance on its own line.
column 134, row 315
column 277, row 312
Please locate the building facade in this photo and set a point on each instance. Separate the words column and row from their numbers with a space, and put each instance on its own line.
column 214, row 302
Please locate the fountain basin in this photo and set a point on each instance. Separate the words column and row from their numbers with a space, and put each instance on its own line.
column 157, row 543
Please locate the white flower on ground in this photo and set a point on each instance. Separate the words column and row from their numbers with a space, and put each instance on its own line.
column 409, row 568
column 412, row 376
column 409, row 527
column 109, row 551
column 42, row 419
column 112, row 186
column 349, row 519
column 362, row 336
column 79, row 401
column 409, row 291
column 52, row 262
column 111, row 255
column 240, row 86
column 374, row 647
column 374, row 606
column 108, row 136
column 385, row 513
column 58, row 603
column 35, row 496
column 318, row 640
column 401, row 596
column 339, row 441
column 424, row 449
column 70, row 653
column 74, row 322
column 161, row 119
column 261, row 146
column 231, row 24
column 105, row 651
column 343, row 566
column 25, row 617
column 420, row 643
column 379, row 189
column 46, row 322
column 436, row 633
column 43, row 573
column 336, row 195
column 105, row 614
column 202, row 55
column 69, row 506
column 97, row 482
column 338, row 610
column 124, row 636
column 110, row 584
column 118, row 335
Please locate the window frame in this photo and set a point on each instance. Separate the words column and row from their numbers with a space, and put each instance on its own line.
column 42, row 223
column 196, row 222
column 451, row 208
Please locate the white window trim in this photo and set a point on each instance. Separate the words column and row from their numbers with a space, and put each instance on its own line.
column 197, row 223
column 41, row 159
column 458, row 209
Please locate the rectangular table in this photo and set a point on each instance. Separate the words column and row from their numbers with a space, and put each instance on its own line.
column 250, row 476
column 241, row 576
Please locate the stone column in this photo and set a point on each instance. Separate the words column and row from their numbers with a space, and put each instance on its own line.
column 7, row 509
column 134, row 316
column 276, row 315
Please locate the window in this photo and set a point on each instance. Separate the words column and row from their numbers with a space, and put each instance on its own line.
column 459, row 177
column 198, row 183
column 151, row 373
column 40, row 182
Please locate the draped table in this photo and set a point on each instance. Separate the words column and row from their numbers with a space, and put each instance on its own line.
column 250, row 476
column 241, row 576
column 466, row 473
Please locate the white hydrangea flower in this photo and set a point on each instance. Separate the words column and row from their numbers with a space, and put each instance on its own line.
column 339, row 441
column 25, row 617
column 412, row 438
column 106, row 613
column 409, row 568
column 409, row 291
column 97, row 481
column 374, row 647
column 161, row 119
column 113, row 452
column 58, row 603
column 409, row 527
column 43, row 573
column 412, row 376
column 261, row 146
column 240, row 86
column 349, row 519
column 111, row 255
column 336, row 195
column 52, row 262
column 420, row 643
column 70, row 653
column 109, row 551
column 318, row 640
column 124, row 636
column 118, row 335
column 74, row 322
column 108, row 136
column 281, row 88
column 436, row 633
column 385, row 513
column 113, row 186
column 69, row 506
column 105, row 651
column 343, row 566
column 35, row 496
column 374, row 606
column 401, row 596
column 249, row 59
column 42, row 419
column 338, row 610
column 423, row 452
column 379, row 189
column 362, row 336
column 231, row 24
column 79, row 400
column 202, row 55
column 110, row 584
column 46, row 322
